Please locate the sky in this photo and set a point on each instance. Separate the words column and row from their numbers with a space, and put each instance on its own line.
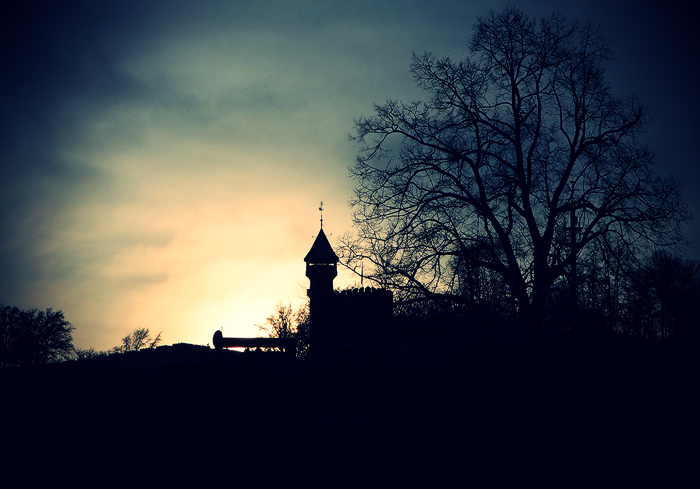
column 162, row 162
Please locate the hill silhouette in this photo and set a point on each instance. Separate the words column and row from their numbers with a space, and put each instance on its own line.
column 431, row 413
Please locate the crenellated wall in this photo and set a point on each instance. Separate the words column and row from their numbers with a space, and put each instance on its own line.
column 365, row 295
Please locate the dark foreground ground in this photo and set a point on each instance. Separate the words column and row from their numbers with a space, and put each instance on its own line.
column 440, row 416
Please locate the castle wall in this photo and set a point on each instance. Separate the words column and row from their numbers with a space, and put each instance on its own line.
column 360, row 315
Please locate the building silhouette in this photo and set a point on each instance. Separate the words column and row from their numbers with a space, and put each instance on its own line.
column 321, row 268
column 353, row 317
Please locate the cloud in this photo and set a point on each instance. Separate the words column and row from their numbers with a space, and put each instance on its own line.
column 160, row 158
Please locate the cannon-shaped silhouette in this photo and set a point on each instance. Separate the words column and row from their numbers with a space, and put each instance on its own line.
column 289, row 345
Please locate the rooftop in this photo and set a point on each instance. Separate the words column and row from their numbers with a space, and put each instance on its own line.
column 321, row 251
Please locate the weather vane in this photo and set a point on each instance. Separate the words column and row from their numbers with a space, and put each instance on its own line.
column 321, row 209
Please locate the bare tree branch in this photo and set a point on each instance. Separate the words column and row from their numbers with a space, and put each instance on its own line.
column 486, row 173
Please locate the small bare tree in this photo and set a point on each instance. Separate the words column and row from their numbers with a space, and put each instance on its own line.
column 285, row 322
column 138, row 339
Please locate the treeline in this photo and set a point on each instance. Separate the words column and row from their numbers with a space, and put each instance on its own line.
column 138, row 339
column 657, row 298
column 34, row 338
column 653, row 299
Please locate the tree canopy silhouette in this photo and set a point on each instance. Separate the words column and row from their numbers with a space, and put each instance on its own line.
column 33, row 337
column 521, row 158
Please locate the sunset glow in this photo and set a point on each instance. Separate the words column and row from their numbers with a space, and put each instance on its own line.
column 165, row 171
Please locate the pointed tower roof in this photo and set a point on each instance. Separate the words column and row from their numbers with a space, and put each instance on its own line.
column 321, row 251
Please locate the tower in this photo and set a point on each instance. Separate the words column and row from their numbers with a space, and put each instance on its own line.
column 321, row 268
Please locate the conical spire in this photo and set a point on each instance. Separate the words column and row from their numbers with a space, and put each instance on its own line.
column 321, row 251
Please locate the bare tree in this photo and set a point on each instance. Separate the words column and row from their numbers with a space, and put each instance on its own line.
column 138, row 339
column 286, row 322
column 280, row 324
column 521, row 158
